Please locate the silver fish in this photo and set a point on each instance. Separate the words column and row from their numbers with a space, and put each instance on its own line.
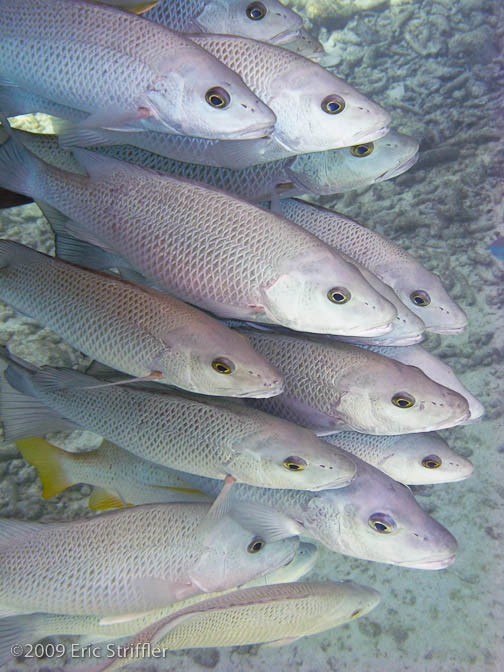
column 120, row 478
column 203, row 245
column 32, row 627
column 268, row 20
column 129, row 561
column 314, row 110
column 125, row 72
column 419, row 289
column 137, row 330
column 413, row 459
column 374, row 518
column 278, row 614
column 437, row 370
column 330, row 386
column 177, row 431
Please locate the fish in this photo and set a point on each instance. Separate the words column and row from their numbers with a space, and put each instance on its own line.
column 125, row 72
column 314, row 109
column 138, row 330
column 32, row 627
column 331, row 386
column 268, row 20
column 412, row 459
column 306, row 45
column 418, row 288
column 123, row 563
column 374, row 518
column 183, row 432
column 437, row 370
column 497, row 248
column 200, row 244
column 119, row 478
column 278, row 615
column 255, row 184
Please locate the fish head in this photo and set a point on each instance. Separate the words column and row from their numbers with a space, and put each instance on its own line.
column 290, row 457
column 317, row 111
column 305, row 45
column 233, row 554
column 424, row 294
column 355, row 166
column 344, row 601
column 422, row 459
column 302, row 563
column 376, row 518
column 197, row 95
column 268, row 20
column 321, row 293
column 383, row 396
column 221, row 362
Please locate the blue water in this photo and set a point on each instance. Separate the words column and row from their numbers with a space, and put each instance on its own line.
column 438, row 68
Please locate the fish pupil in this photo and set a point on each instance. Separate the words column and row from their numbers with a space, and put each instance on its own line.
column 380, row 526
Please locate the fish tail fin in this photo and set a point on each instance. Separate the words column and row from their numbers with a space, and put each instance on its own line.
column 17, row 166
column 50, row 462
column 15, row 630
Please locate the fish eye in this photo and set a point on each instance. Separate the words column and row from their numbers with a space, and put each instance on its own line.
column 403, row 400
column 432, row 462
column 294, row 463
column 223, row 365
column 362, row 150
column 420, row 298
column 356, row 613
column 256, row 11
column 217, row 97
column 339, row 295
column 333, row 104
column 256, row 545
column 382, row 523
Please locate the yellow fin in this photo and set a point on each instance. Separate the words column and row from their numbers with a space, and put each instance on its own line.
column 49, row 461
column 135, row 6
column 103, row 499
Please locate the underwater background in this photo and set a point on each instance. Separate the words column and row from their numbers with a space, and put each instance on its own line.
column 438, row 68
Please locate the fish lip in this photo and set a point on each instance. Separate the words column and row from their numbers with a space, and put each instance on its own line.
column 453, row 423
column 286, row 36
column 398, row 170
column 407, row 340
column 439, row 563
column 378, row 330
column 448, row 330
column 262, row 393
column 370, row 136
column 253, row 132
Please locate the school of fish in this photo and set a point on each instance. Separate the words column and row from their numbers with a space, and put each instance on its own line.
column 257, row 371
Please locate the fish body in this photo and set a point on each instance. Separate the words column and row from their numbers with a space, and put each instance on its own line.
column 177, row 431
column 119, row 477
column 277, row 614
column 419, row 289
column 437, row 370
column 334, row 386
column 127, row 561
column 374, row 518
column 32, row 627
column 413, row 459
column 314, row 109
column 132, row 328
column 200, row 244
column 268, row 20
column 125, row 72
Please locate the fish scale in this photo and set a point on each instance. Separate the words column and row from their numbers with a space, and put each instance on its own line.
column 127, row 561
column 126, row 72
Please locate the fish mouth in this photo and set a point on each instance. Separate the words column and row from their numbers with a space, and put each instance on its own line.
column 370, row 136
column 378, row 330
column 262, row 393
column 439, row 563
column 448, row 330
column 398, row 170
column 253, row 132
column 453, row 423
column 286, row 36
column 406, row 340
